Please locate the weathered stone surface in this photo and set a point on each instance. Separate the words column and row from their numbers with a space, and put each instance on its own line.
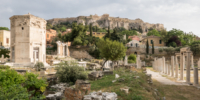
column 101, row 96
column 105, row 20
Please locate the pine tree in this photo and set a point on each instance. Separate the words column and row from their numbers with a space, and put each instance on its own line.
column 90, row 29
column 153, row 48
column 147, row 47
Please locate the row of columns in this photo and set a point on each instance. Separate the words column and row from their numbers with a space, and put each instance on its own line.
column 171, row 68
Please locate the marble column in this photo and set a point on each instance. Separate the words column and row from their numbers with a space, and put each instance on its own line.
column 176, row 69
column 188, row 67
column 172, row 66
column 181, row 66
column 196, row 78
column 163, row 59
column 192, row 62
column 165, row 68
column 169, row 69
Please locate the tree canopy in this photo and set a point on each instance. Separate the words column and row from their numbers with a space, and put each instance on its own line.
column 4, row 28
column 153, row 32
column 111, row 50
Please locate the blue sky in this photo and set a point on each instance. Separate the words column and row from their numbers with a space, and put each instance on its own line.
column 179, row 14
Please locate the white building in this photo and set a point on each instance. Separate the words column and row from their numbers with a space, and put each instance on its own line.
column 28, row 39
column 133, row 43
column 5, row 38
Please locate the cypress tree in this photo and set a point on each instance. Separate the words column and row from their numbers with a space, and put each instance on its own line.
column 90, row 29
column 153, row 48
column 109, row 35
column 147, row 47
column 96, row 29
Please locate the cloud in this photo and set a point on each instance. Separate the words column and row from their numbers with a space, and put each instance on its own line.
column 180, row 14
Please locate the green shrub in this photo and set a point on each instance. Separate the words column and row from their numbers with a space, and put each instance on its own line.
column 10, row 80
column 132, row 58
column 160, row 49
column 10, row 77
column 38, row 66
column 131, row 61
column 70, row 72
column 4, row 67
column 13, row 92
column 32, row 82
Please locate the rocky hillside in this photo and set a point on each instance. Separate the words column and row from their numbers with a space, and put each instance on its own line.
column 105, row 20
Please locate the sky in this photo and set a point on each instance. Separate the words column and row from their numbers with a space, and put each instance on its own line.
column 179, row 14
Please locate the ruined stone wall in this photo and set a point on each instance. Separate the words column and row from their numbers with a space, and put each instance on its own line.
column 79, row 52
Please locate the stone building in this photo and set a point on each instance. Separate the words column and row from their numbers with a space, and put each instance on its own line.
column 50, row 35
column 28, row 41
column 5, row 38
column 153, row 39
column 97, row 34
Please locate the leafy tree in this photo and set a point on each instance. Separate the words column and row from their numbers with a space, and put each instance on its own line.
column 153, row 32
column 5, row 52
column 70, row 72
column 128, row 33
column 4, row 28
column 111, row 50
column 174, row 41
column 153, row 48
column 63, row 28
column 116, row 36
column 164, row 35
column 132, row 58
column 195, row 47
column 147, row 47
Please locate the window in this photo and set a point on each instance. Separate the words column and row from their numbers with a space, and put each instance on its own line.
column 1, row 43
column 22, row 28
column 160, row 41
column 131, row 44
column 47, row 35
column 151, row 41
column 7, row 40
column 136, row 44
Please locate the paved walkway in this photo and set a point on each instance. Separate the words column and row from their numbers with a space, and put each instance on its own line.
column 157, row 76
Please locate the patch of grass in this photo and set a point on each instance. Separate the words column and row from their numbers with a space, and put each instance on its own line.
column 136, row 86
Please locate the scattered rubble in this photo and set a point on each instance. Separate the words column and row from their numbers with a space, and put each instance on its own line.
column 117, row 76
column 58, row 94
column 101, row 96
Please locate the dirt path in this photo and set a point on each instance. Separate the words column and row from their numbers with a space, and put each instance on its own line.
column 163, row 80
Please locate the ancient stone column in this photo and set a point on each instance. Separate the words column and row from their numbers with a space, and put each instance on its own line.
column 169, row 69
column 172, row 66
column 125, row 60
column 192, row 62
column 138, row 61
column 188, row 67
column 181, row 66
column 176, row 69
column 166, row 68
column 196, row 79
column 163, row 59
